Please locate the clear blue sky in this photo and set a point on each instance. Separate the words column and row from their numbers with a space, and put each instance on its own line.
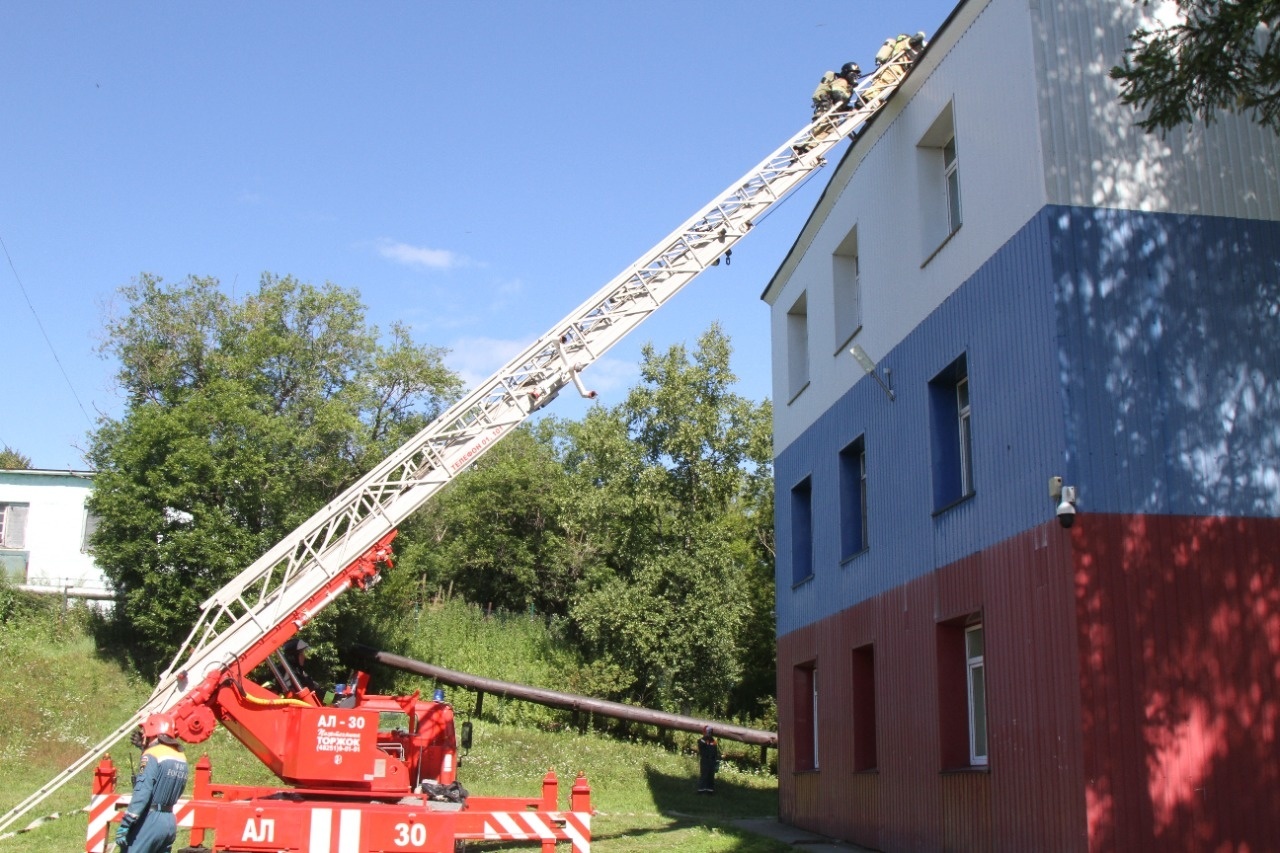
column 474, row 169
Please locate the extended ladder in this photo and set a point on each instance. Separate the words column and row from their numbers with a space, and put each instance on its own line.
column 284, row 578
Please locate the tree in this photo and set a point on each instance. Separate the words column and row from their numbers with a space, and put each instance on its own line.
column 12, row 459
column 671, row 486
column 1218, row 56
column 494, row 537
column 241, row 419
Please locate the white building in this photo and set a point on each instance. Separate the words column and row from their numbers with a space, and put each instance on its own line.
column 44, row 533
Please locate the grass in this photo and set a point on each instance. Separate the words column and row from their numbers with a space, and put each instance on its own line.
column 63, row 698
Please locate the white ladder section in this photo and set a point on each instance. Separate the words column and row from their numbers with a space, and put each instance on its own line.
column 284, row 578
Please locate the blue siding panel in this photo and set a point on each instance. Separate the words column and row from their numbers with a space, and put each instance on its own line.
column 1171, row 354
column 1017, row 432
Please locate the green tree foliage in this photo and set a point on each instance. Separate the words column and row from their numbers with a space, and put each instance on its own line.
column 649, row 524
column 494, row 538
column 1218, row 56
column 672, row 490
column 12, row 459
column 241, row 419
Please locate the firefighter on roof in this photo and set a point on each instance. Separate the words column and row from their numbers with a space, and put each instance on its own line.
column 148, row 825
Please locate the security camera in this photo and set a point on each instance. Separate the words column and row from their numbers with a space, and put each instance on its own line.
column 1067, row 508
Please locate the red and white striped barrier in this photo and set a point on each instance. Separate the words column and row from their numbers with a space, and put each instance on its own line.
column 104, row 810
column 536, row 826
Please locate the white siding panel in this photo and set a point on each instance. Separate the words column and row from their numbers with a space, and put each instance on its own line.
column 1095, row 154
column 878, row 188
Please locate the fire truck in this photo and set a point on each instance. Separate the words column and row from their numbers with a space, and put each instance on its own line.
column 364, row 773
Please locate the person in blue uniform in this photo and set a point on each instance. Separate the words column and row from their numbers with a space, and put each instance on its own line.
column 148, row 825
column 708, row 762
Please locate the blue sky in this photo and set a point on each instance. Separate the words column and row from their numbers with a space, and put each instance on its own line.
column 474, row 169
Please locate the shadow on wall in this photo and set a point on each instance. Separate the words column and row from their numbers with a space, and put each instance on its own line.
column 1169, row 330
column 1180, row 642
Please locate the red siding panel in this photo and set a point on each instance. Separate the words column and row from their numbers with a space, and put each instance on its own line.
column 1180, row 688
column 1031, row 796
column 1133, row 696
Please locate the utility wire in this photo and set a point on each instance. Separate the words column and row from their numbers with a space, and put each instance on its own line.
column 40, row 325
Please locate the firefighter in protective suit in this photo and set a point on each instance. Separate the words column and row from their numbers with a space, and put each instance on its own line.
column 148, row 825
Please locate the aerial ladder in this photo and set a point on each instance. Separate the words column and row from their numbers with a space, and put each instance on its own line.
column 346, row 542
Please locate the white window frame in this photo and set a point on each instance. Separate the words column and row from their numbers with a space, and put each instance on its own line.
column 965, row 430
column 976, row 680
column 951, row 176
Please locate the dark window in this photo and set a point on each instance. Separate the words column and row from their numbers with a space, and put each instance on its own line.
column 802, row 531
column 951, row 434
column 805, row 697
column 853, row 499
column 864, row 708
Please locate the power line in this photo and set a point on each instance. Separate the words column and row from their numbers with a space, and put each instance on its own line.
column 40, row 325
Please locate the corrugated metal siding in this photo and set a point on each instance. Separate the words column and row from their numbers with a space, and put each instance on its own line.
column 1158, row 373
column 1031, row 798
column 1001, row 186
column 1179, row 641
column 1096, row 156
column 998, row 320
column 1169, row 361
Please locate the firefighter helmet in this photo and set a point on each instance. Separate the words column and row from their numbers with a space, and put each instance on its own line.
column 156, row 725
column 850, row 68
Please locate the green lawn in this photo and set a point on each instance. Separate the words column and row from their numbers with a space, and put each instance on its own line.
column 63, row 699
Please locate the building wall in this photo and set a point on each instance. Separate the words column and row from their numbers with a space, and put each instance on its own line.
column 1144, row 377
column 1115, row 298
column 1179, row 684
column 915, row 799
column 55, row 528
column 1168, row 361
column 1094, row 154
column 1018, row 440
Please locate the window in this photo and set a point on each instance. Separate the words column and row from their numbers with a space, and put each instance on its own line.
column 965, row 436
column 802, row 531
column 951, row 172
column 864, row 708
column 847, row 290
column 853, row 499
column 805, row 697
column 962, row 693
column 798, row 347
column 90, row 525
column 977, row 684
column 951, row 433
column 938, row 162
column 13, row 538
column 13, row 525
